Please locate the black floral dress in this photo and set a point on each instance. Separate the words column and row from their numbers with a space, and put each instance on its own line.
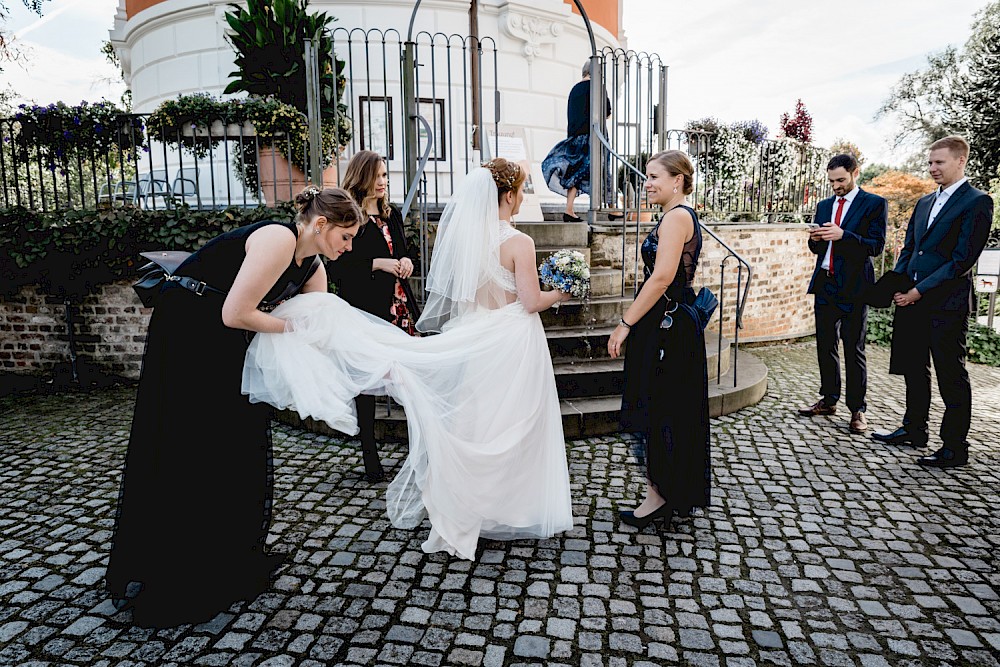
column 665, row 397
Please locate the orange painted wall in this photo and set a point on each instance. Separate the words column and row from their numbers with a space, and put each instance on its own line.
column 603, row 12
column 133, row 7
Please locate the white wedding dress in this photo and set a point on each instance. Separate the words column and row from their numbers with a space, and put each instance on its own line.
column 487, row 455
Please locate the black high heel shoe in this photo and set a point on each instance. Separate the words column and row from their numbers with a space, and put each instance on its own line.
column 571, row 218
column 628, row 517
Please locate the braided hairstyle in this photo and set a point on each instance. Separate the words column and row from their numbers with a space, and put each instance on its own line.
column 507, row 175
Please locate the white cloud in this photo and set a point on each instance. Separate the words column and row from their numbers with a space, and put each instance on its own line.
column 63, row 53
column 737, row 60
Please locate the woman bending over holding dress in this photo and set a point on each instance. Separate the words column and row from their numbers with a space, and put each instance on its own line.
column 195, row 500
column 665, row 397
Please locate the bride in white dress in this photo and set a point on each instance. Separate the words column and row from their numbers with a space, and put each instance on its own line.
column 487, row 455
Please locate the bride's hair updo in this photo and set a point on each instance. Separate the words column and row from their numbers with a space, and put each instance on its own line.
column 506, row 174
column 335, row 204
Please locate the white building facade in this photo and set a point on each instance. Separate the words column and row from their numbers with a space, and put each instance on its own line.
column 172, row 47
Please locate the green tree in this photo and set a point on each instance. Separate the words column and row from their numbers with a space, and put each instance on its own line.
column 925, row 102
column 872, row 171
column 979, row 94
column 956, row 93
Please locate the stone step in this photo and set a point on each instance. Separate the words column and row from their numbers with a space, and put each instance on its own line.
column 606, row 282
column 589, row 415
column 556, row 234
column 582, row 362
column 598, row 311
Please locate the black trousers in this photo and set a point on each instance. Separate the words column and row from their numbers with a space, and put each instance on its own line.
column 848, row 323
column 939, row 335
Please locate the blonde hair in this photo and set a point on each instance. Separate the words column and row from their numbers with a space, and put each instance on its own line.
column 958, row 146
column 677, row 163
column 359, row 180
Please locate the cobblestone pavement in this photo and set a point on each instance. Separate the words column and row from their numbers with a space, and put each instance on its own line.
column 820, row 548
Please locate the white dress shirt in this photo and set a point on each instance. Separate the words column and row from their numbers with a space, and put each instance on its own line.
column 843, row 216
column 942, row 198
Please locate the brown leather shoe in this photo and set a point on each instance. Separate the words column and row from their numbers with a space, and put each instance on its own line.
column 858, row 422
column 818, row 408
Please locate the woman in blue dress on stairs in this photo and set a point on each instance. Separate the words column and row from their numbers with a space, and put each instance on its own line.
column 665, row 397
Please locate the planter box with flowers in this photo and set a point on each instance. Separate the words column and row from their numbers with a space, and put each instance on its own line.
column 268, row 38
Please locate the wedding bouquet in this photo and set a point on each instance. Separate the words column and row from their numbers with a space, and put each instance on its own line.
column 566, row 271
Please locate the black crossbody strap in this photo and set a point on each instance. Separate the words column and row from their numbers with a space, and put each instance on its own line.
column 199, row 287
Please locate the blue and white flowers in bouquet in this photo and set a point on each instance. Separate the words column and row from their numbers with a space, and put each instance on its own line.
column 566, row 271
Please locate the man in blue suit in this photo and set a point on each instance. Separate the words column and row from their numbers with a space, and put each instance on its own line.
column 946, row 234
column 850, row 233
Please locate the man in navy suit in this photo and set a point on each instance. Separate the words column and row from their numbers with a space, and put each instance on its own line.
column 852, row 231
column 946, row 234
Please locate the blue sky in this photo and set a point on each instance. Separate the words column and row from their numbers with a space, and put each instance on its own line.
column 731, row 59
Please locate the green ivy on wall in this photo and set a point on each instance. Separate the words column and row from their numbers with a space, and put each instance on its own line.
column 68, row 253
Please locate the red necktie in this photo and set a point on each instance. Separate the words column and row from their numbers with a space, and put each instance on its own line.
column 836, row 221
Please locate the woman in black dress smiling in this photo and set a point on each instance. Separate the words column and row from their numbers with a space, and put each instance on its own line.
column 665, row 397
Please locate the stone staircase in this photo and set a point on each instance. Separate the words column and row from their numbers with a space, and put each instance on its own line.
column 588, row 381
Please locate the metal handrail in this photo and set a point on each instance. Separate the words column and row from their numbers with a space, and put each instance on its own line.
column 412, row 190
column 741, row 294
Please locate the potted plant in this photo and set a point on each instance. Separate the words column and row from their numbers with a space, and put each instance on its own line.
column 282, row 132
column 268, row 37
column 198, row 122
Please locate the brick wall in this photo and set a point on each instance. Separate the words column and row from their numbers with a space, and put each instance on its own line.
column 109, row 325
column 777, row 306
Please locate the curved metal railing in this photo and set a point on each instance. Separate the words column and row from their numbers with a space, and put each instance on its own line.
column 742, row 289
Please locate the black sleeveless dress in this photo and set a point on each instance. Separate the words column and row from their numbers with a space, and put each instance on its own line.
column 665, row 396
column 195, row 500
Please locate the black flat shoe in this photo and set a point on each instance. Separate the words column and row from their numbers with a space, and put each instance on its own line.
column 628, row 517
column 375, row 476
column 571, row 218
column 615, row 216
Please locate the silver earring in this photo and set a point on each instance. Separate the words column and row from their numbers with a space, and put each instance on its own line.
column 675, row 190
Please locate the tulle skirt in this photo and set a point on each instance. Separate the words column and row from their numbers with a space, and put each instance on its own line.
column 487, row 453
column 568, row 166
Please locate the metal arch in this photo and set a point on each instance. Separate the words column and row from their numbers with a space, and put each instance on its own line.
column 579, row 5
column 366, row 32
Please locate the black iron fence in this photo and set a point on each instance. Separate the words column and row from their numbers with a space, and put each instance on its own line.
column 211, row 163
column 205, row 163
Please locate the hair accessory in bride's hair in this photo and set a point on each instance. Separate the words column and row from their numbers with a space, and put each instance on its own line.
column 504, row 174
column 310, row 192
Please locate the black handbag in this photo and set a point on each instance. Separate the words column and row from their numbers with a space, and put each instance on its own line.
column 156, row 273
